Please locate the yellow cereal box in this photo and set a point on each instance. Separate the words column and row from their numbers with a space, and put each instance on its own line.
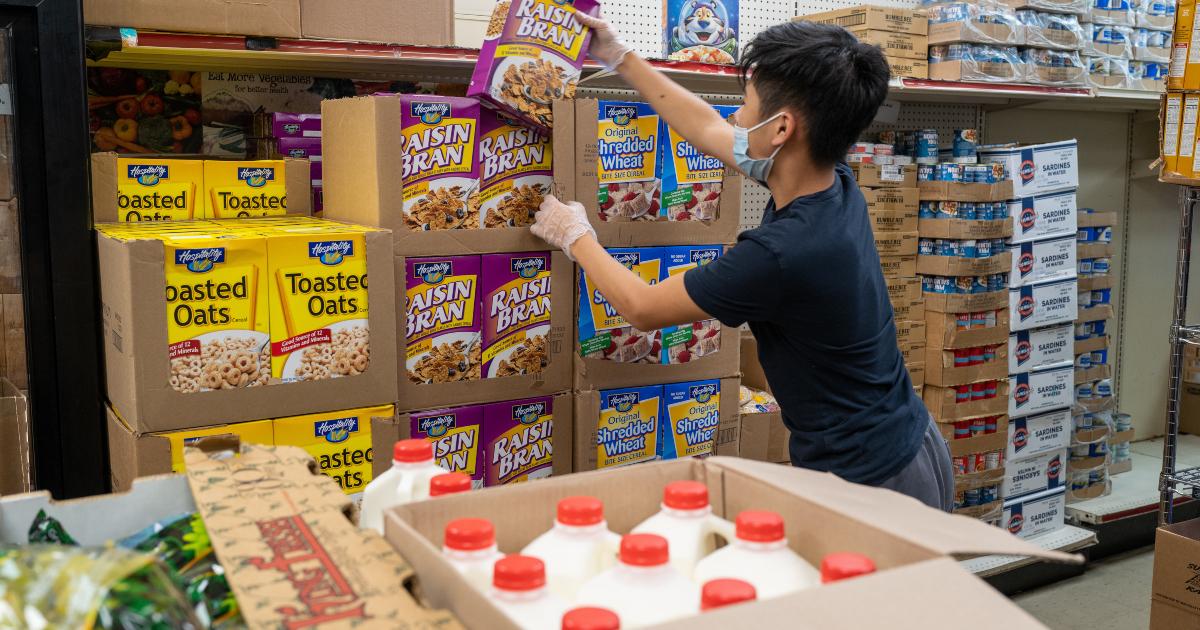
column 318, row 303
column 160, row 190
column 257, row 432
column 239, row 189
column 627, row 429
column 217, row 318
column 340, row 441
column 627, row 161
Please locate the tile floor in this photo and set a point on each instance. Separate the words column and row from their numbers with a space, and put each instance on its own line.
column 1114, row 594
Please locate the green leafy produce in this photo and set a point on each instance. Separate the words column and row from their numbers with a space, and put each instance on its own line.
column 155, row 132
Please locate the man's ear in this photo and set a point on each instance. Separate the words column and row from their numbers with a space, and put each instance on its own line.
column 790, row 127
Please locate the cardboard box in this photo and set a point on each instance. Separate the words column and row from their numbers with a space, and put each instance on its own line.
column 1036, row 392
column 762, row 436
column 885, row 199
column 907, row 67
column 875, row 18
column 1174, row 596
column 959, row 191
column 1093, row 283
column 266, row 18
column 942, row 331
column 907, row 333
column 1091, row 345
column 1093, row 374
column 132, row 287
column 1038, row 168
column 1098, row 219
column 969, row 303
column 902, row 46
column 1043, row 261
column 16, row 452
column 1041, row 348
column 1034, row 515
column 1036, row 435
column 1034, row 475
column 896, row 243
column 913, row 312
column 940, row 370
column 974, row 31
column 1005, row 71
column 1044, row 216
column 1096, row 250
column 964, row 228
column 977, row 444
column 958, row 266
column 1045, row 304
column 885, row 176
column 892, row 221
column 379, row 21
column 1103, row 312
column 898, row 266
column 909, row 552
column 1119, row 437
column 941, row 403
column 904, row 291
column 916, row 374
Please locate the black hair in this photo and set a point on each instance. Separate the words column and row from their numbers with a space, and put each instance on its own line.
column 835, row 82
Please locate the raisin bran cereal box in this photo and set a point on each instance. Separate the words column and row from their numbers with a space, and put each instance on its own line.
column 691, row 180
column 627, row 162
column 534, row 59
column 603, row 333
column 627, row 429
column 515, row 170
column 690, row 415
column 515, row 306
column 160, row 190
column 681, row 344
column 442, row 331
column 704, row 31
column 457, row 437
column 517, row 440
column 340, row 441
column 238, row 189
column 441, row 166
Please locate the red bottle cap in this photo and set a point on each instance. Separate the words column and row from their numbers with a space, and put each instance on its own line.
column 580, row 511
column 840, row 566
column 412, row 451
column 759, row 526
column 685, row 495
column 469, row 534
column 518, row 573
column 726, row 591
column 589, row 618
column 449, row 483
column 644, row 550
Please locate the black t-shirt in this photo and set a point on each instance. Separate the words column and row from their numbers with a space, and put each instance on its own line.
column 808, row 282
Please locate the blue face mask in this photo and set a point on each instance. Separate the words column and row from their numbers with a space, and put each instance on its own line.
column 756, row 169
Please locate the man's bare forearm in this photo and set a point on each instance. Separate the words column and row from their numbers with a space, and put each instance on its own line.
column 686, row 113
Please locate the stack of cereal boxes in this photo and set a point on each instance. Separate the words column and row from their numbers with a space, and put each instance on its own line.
column 284, row 134
column 902, row 34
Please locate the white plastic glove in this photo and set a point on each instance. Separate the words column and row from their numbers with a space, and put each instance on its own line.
column 561, row 224
column 606, row 45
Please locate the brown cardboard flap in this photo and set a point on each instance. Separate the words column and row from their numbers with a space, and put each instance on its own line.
column 1098, row 219
column 752, row 371
column 764, row 438
column 898, row 266
column 964, row 228
column 963, row 31
column 940, row 401
column 942, row 331
column 1091, row 345
column 896, row 243
column 874, row 17
column 882, row 199
column 885, row 176
column 1095, row 250
column 1095, row 313
column 958, row 266
column 1093, row 374
column 980, row 443
column 957, row 191
column 958, row 303
column 1093, row 283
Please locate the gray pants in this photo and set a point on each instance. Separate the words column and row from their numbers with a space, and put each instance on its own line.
column 929, row 477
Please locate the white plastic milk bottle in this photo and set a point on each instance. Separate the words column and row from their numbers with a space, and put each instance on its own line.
column 519, row 589
column 687, row 522
column 578, row 547
column 845, row 565
column 759, row 555
column 725, row 592
column 590, row 618
column 406, row 481
column 449, row 483
column 469, row 545
column 643, row 588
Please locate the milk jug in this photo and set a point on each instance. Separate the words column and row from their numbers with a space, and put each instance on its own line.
column 406, row 481
column 687, row 522
column 469, row 545
column 519, row 589
column 643, row 588
column 725, row 592
column 590, row 618
column 842, row 566
column 578, row 547
column 449, row 483
column 759, row 555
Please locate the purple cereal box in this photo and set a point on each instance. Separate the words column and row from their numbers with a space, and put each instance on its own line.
column 515, row 303
column 516, row 170
column 441, row 164
column 307, row 148
column 457, row 436
column 442, row 331
column 517, row 440
column 288, row 125
column 534, row 59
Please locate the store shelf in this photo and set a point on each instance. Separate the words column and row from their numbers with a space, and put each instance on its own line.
column 1068, row 539
column 1136, row 492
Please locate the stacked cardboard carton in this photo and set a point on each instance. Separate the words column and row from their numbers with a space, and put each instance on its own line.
column 902, row 34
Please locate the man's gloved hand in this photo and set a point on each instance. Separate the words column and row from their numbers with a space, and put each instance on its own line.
column 561, row 224
column 606, row 45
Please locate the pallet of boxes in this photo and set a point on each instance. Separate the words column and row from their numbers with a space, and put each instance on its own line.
column 900, row 33
column 975, row 41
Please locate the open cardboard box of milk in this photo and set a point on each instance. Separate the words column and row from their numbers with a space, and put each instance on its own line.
column 918, row 586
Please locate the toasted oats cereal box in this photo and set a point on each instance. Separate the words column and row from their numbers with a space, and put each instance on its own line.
column 442, row 331
column 441, row 166
column 691, row 180
column 340, row 441
column 457, row 436
column 704, row 31
column 515, row 313
column 319, row 305
column 603, row 333
column 533, row 59
column 627, row 429
column 627, row 161
column 160, row 190
column 683, row 343
column 257, row 432
column 517, row 437
column 515, row 170
column 690, row 415
column 239, row 189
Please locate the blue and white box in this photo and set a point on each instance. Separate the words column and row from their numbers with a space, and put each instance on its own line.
column 1032, row 393
column 1043, row 261
column 1041, row 348
column 1045, row 304
column 1037, row 514
column 1038, row 168
column 1039, row 217
column 1038, row 434
column 1035, row 474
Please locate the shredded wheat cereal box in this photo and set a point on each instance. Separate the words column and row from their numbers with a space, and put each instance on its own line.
column 319, row 324
column 245, row 189
column 218, row 324
column 681, row 344
column 517, row 438
column 257, row 432
column 531, row 58
column 160, row 190
column 441, row 166
column 442, row 333
column 691, row 180
column 603, row 333
column 340, row 441
column 515, row 290
column 457, row 437
column 515, row 170
column 627, row 429
column 690, row 415
column 627, row 163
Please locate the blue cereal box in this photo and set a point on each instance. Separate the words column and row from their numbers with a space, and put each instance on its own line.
column 689, row 418
column 704, row 31
column 627, row 164
column 603, row 333
column 627, row 426
column 683, row 343
column 691, row 180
